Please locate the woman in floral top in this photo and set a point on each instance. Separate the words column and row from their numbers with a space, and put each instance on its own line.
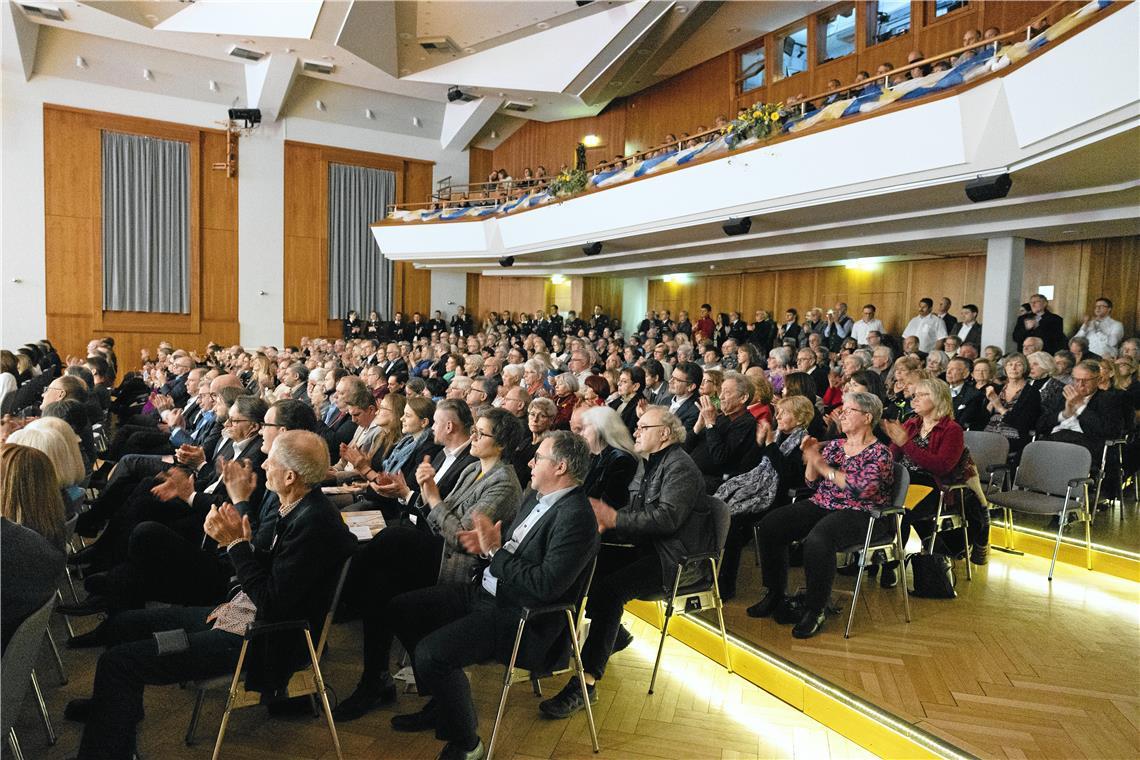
column 851, row 476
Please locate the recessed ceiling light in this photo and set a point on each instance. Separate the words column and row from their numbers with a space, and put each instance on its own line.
column 320, row 104
column 80, row 62
column 151, row 17
column 213, row 86
column 1068, row 232
column 494, row 135
column 733, row 29
column 468, row 50
column 148, row 75
column 542, row 25
column 368, row 113
column 287, row 50
column 417, row 121
column 681, row 9
column 405, row 35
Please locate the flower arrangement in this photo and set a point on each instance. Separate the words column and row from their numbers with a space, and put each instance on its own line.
column 760, row 120
column 569, row 183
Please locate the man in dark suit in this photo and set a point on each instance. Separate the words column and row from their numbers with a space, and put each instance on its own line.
column 338, row 428
column 297, row 379
column 656, row 389
column 293, row 580
column 684, row 388
column 943, row 313
column 807, row 361
column 737, row 329
column 665, row 520
column 969, row 403
column 969, row 330
column 537, row 561
column 462, row 323
column 393, row 364
column 1090, row 416
column 1040, row 323
column 763, row 334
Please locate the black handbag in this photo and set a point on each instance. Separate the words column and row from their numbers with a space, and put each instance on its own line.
column 933, row 576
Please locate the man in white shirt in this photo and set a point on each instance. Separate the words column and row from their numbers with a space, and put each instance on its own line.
column 865, row 325
column 926, row 326
column 1102, row 331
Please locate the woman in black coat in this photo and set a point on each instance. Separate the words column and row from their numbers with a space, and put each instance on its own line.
column 614, row 465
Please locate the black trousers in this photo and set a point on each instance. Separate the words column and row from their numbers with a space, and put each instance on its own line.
column 399, row 559
column 448, row 628
column 622, row 575
column 129, row 665
column 739, row 534
column 823, row 532
column 163, row 566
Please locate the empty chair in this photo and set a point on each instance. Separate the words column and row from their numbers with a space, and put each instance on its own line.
column 18, row 668
column 1053, row 478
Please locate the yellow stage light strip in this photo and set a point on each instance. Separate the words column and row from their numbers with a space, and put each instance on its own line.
column 863, row 723
column 1105, row 559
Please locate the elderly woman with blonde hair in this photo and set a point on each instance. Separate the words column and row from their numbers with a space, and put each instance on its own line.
column 58, row 441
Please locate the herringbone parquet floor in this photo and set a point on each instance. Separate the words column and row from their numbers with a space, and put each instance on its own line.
column 1015, row 667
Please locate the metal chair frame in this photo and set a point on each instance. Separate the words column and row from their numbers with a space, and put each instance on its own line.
column 1117, row 445
column 303, row 683
column 19, row 671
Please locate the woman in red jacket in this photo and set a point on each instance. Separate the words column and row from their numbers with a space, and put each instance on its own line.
column 931, row 445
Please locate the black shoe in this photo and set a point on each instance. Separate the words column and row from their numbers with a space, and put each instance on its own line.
column 568, row 701
column 766, row 606
column 453, row 751
column 623, row 640
column 424, row 720
column 888, row 577
column 368, row 695
column 97, row 584
column 93, row 638
column 92, row 605
column 810, row 625
column 86, row 555
column 79, row 710
column 980, row 554
column 89, row 523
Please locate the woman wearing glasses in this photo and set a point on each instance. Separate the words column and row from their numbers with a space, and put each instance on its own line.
column 539, row 417
column 850, row 476
column 408, row 558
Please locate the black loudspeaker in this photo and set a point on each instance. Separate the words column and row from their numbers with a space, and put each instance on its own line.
column 737, row 226
column 592, row 249
column 988, row 188
column 507, row 261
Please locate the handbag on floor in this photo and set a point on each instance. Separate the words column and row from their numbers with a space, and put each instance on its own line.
column 933, row 576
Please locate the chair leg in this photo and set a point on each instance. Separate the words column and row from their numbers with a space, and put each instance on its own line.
column 14, row 744
column 42, row 706
column 507, row 678
column 320, row 681
column 756, row 543
column 58, row 660
column 1088, row 530
column 1060, row 530
column 196, row 713
column 230, row 701
column 901, row 548
column 937, row 521
column 665, row 629
column 720, row 616
column 536, row 685
column 66, row 619
column 71, row 583
column 859, row 576
column 581, row 681
column 965, row 533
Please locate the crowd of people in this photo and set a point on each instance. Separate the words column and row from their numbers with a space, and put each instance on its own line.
column 498, row 453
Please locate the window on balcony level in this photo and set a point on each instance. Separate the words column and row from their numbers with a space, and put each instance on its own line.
column 792, row 47
column 835, row 30
column 752, row 66
column 887, row 19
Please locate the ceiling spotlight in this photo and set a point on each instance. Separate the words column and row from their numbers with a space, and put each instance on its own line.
column 507, row 261
column 734, row 30
column 80, row 62
column 320, row 104
column 681, row 9
column 213, row 86
column 417, row 121
column 592, row 249
column 368, row 114
column 737, row 226
column 494, row 135
column 405, row 35
column 468, row 50
column 542, row 25
column 147, row 75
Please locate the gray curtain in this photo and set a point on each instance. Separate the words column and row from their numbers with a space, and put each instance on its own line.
column 146, row 229
column 359, row 276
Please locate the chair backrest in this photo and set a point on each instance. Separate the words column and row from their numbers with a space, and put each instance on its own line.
column 987, row 449
column 1048, row 466
column 721, row 519
column 902, row 483
column 326, row 626
column 18, row 662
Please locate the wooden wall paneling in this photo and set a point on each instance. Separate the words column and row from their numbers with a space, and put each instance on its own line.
column 519, row 294
column 219, row 269
column 412, row 289
column 219, row 192
column 1059, row 265
column 603, row 291
column 552, row 144
column 758, row 291
column 723, row 293
column 305, row 192
column 681, row 103
column 70, row 250
column 472, row 304
column 938, row 278
column 71, row 186
column 797, row 290
column 305, row 305
column 480, row 164
column 1121, row 280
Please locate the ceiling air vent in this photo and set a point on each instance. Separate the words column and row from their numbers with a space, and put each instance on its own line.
column 514, row 105
column 318, row 67
column 246, row 54
column 44, row 11
column 438, row 44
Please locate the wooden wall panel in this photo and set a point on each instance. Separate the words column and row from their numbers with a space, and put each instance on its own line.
column 480, row 164
column 472, row 303
column 603, row 291
column 552, row 144
column 681, row 103
column 73, row 249
column 518, row 294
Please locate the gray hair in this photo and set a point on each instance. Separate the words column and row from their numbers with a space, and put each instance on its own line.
column 1043, row 360
column 868, row 403
column 570, row 380
column 609, row 427
column 782, row 355
column 513, row 370
column 304, row 453
column 252, row 408
column 743, row 385
column 544, row 405
column 671, row 422
column 940, row 357
column 862, row 356
column 571, row 449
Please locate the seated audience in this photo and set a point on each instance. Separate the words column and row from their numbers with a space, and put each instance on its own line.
column 1015, row 407
column 721, row 438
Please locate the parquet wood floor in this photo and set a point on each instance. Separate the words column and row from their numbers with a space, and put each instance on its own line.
column 698, row 711
column 1014, row 667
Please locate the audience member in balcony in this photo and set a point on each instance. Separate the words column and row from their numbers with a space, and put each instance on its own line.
column 1040, row 323
column 860, row 329
column 833, row 84
column 860, row 77
column 762, row 332
column 1015, row 408
column 1102, row 332
column 926, row 326
column 991, row 33
column 969, row 330
column 917, row 72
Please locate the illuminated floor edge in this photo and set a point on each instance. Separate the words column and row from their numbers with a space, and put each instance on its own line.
column 1111, row 561
column 854, row 718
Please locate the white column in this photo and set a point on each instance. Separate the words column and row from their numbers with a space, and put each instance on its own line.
column 448, row 291
column 261, row 236
column 1005, row 266
column 634, row 302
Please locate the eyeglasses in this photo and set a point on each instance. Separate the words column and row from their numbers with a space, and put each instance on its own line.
column 236, row 420
column 477, row 434
column 271, row 424
column 539, row 415
column 544, row 456
column 647, row 427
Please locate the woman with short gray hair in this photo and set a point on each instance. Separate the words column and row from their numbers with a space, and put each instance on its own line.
column 850, row 476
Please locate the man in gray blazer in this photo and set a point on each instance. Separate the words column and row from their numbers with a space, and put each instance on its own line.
column 665, row 520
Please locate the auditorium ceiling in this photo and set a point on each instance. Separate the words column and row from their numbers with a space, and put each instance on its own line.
column 546, row 61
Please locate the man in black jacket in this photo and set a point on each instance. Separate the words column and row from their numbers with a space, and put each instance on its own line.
column 293, row 580
column 684, row 387
column 721, row 439
column 537, row 561
column 1090, row 416
column 665, row 520
column 1040, row 323
column 969, row 403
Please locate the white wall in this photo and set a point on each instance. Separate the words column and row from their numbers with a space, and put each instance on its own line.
column 448, row 290
column 634, row 302
column 260, row 191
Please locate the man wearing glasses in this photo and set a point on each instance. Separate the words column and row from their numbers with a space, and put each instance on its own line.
column 1091, row 416
column 683, row 384
column 664, row 521
column 476, row 396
